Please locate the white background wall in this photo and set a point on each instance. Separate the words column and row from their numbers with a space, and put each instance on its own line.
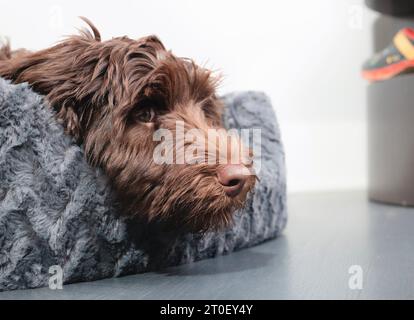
column 305, row 54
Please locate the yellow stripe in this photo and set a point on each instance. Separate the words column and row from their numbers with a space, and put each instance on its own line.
column 404, row 45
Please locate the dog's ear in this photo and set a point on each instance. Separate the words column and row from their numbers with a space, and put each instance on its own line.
column 67, row 74
column 51, row 73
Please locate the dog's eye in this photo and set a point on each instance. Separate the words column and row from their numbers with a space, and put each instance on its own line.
column 146, row 116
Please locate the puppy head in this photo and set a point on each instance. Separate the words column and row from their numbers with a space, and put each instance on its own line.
column 116, row 97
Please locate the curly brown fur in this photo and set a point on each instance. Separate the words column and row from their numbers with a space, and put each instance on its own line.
column 104, row 92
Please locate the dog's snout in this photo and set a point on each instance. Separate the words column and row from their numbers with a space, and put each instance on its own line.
column 233, row 178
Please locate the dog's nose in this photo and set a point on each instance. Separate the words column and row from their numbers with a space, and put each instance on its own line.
column 232, row 177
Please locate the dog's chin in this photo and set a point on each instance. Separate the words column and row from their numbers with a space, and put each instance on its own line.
column 211, row 214
column 204, row 220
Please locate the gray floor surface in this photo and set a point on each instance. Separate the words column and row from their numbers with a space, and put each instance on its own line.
column 327, row 233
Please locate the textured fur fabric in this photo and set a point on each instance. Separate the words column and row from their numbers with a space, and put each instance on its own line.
column 57, row 210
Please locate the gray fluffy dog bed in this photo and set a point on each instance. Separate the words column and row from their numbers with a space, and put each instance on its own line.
column 57, row 210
